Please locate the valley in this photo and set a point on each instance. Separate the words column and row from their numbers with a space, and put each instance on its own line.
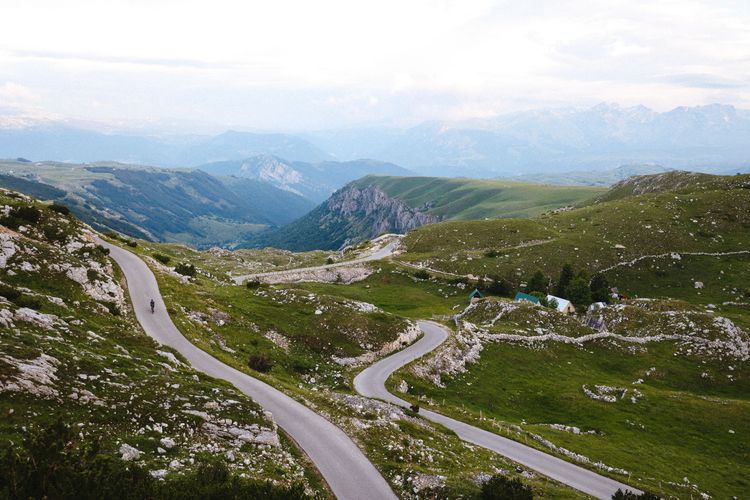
column 374, row 250
column 673, row 353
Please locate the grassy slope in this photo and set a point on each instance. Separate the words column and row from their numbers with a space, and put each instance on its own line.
column 131, row 388
column 711, row 221
column 468, row 199
column 681, row 428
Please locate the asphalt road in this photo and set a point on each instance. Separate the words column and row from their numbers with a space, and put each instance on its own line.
column 345, row 468
column 380, row 254
column 371, row 383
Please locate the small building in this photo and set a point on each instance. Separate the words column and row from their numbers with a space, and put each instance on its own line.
column 564, row 306
column 475, row 295
column 520, row 297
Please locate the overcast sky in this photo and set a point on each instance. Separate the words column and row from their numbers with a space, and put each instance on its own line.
column 279, row 64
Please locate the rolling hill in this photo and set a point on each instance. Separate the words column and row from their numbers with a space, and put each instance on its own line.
column 374, row 205
column 187, row 206
column 677, row 212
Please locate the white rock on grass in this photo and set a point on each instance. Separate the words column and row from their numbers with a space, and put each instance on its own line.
column 167, row 443
column 46, row 321
column 403, row 387
column 7, row 249
column 129, row 453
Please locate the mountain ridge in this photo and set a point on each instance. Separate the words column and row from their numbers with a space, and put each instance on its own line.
column 315, row 181
column 187, row 206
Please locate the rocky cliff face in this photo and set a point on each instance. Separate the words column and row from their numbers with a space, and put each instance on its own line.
column 383, row 213
column 352, row 214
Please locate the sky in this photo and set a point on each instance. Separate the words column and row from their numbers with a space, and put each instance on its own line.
column 300, row 65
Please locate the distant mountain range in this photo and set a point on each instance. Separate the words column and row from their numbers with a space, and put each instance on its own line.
column 603, row 137
column 315, row 181
column 708, row 138
column 51, row 141
column 185, row 206
column 590, row 177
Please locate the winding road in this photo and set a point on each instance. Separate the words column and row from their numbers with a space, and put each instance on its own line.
column 344, row 467
column 371, row 383
column 342, row 464
column 379, row 254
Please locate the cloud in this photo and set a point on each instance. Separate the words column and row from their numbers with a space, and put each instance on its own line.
column 15, row 95
column 336, row 62
column 704, row 81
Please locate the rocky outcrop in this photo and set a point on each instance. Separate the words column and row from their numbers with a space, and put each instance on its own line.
column 383, row 213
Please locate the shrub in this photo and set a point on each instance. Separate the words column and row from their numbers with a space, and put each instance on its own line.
column 27, row 213
column 504, row 488
column 28, row 301
column 164, row 259
column 14, row 295
column 54, row 463
column 629, row 495
column 59, row 208
column 302, row 365
column 131, row 243
column 422, row 275
column 113, row 309
column 54, row 234
column 111, row 234
column 260, row 363
column 254, row 283
column 9, row 292
column 491, row 253
column 102, row 250
column 329, row 260
column 185, row 269
column 92, row 274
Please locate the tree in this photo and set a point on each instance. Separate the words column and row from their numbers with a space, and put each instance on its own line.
column 599, row 288
column 501, row 287
column 503, row 488
column 579, row 292
column 566, row 276
column 537, row 283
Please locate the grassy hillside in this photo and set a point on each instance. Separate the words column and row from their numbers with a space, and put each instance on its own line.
column 466, row 199
column 705, row 219
column 81, row 386
column 674, row 356
column 375, row 205
column 186, row 206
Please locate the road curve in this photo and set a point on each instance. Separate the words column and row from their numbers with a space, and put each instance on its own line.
column 343, row 465
column 371, row 383
column 381, row 253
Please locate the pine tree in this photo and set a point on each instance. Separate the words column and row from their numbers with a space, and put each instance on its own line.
column 566, row 276
column 537, row 283
column 579, row 292
column 599, row 288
